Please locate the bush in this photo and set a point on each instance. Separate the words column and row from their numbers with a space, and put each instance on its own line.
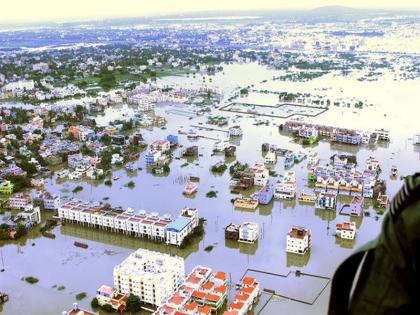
column 211, row 194
column 131, row 184
column 77, row 189
column 94, row 303
column 209, row 248
column 81, row 296
column 31, row 280
column 133, row 303
column 108, row 182
column 219, row 168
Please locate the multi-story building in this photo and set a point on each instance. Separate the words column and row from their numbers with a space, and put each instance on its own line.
column 261, row 174
column 346, row 230
column 270, row 158
column 235, row 131
column 249, row 232
column 19, row 201
column 313, row 158
column 140, row 224
column 6, row 187
column 326, row 201
column 266, row 194
column 150, row 275
column 202, row 293
column 161, row 145
column 51, row 202
column 308, row 132
column 286, row 187
column 298, row 240
column 182, row 226
column 245, row 297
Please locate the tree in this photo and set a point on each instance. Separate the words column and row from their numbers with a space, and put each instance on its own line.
column 133, row 303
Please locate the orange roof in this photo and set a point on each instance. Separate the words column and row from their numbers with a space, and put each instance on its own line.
column 230, row 313
column 248, row 281
column 204, row 310
column 237, row 306
column 180, row 313
column 191, row 307
column 213, row 297
column 247, row 290
column 176, row 299
column 220, row 275
column 221, row 289
column 193, row 279
column 241, row 297
column 198, row 294
column 208, row 286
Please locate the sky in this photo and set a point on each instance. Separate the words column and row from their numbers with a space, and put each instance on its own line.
column 68, row 10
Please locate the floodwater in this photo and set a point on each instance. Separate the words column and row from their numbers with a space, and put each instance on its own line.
column 58, row 263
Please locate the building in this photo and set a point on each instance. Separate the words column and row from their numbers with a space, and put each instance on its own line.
column 356, row 206
column 152, row 157
column 161, row 145
column 140, row 224
column 298, row 240
column 266, row 194
column 201, row 293
column 235, row 131
column 270, row 158
column 308, row 132
column 286, row 187
column 182, row 226
column 152, row 276
column 313, row 158
column 221, row 145
column 383, row 135
column 6, row 187
column 326, row 201
column 261, row 174
column 346, row 230
column 76, row 310
column 249, row 232
column 373, row 165
column 245, row 297
column 30, row 215
column 19, row 201
column 108, row 296
column 232, row 232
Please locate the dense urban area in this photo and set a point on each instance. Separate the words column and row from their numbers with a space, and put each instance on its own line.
column 202, row 165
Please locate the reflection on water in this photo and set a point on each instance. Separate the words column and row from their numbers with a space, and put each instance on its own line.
column 345, row 243
column 244, row 248
column 126, row 241
column 297, row 260
column 58, row 261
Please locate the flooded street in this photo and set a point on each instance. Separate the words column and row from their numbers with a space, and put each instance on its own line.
column 57, row 262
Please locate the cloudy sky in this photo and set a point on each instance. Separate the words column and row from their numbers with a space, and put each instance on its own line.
column 42, row 10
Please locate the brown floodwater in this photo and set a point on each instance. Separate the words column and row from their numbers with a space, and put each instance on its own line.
column 57, row 262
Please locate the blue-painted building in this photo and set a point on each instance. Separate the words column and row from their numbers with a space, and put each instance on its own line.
column 266, row 194
column 173, row 139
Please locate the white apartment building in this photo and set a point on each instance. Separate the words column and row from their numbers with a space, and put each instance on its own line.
column 30, row 214
column 51, row 202
column 152, row 276
column 286, row 187
column 261, row 174
column 346, row 230
column 313, row 158
column 161, row 145
column 249, row 232
column 140, row 224
column 19, row 201
column 235, row 131
column 270, row 158
column 220, row 145
column 298, row 240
